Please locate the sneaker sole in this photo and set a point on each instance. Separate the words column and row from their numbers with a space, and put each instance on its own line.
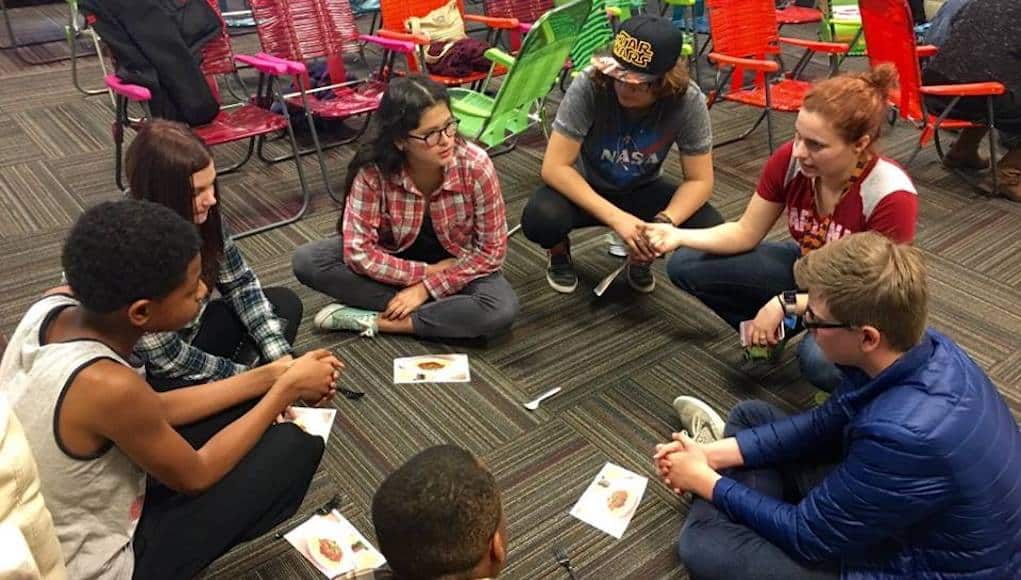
column 714, row 417
column 560, row 287
column 325, row 314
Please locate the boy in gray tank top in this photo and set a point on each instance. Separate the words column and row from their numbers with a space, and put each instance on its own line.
column 220, row 471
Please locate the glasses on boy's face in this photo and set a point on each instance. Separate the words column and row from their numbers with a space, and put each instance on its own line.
column 812, row 322
column 637, row 87
column 432, row 138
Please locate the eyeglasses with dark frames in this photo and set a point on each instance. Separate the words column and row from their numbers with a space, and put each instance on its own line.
column 811, row 322
column 432, row 138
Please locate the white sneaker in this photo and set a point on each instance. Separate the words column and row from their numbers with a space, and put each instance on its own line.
column 617, row 247
column 702, row 423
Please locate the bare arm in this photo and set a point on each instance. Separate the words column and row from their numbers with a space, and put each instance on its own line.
column 724, row 239
column 189, row 404
column 695, row 190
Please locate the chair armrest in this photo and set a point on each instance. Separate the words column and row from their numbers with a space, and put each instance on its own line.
column 816, row 45
column 126, row 90
column 267, row 64
column 389, row 43
column 748, row 63
column 499, row 57
column 965, row 90
column 403, row 36
column 926, row 50
column 492, row 21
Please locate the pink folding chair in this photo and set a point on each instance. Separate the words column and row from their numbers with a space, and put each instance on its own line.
column 251, row 120
column 300, row 31
column 525, row 11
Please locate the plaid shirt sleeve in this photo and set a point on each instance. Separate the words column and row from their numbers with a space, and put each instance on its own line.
column 362, row 217
column 241, row 289
column 166, row 354
column 489, row 240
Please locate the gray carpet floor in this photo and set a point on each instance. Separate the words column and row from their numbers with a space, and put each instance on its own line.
column 620, row 359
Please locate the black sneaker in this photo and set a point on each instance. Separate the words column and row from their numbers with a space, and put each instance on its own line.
column 560, row 269
column 641, row 278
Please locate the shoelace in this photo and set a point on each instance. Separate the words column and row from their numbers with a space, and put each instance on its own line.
column 368, row 323
column 703, row 430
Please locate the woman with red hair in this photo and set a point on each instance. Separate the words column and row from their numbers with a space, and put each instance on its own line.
column 831, row 182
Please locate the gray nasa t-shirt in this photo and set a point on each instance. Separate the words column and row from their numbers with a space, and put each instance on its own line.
column 622, row 152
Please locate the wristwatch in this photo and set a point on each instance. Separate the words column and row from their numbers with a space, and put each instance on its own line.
column 790, row 302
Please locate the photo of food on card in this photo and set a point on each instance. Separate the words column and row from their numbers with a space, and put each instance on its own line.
column 432, row 368
column 611, row 500
column 334, row 546
column 314, row 421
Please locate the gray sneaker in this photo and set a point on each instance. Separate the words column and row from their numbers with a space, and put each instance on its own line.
column 560, row 271
column 341, row 317
column 640, row 277
column 702, row 423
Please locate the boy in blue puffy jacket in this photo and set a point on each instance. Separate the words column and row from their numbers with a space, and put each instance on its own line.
column 911, row 469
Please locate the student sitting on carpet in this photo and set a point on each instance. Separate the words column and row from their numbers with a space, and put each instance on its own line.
column 247, row 325
column 830, row 181
column 604, row 162
column 423, row 235
column 221, row 472
column 909, row 470
column 439, row 516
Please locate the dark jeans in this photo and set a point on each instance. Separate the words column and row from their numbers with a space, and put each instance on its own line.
column 736, row 287
column 485, row 308
column 221, row 332
column 713, row 546
column 179, row 535
column 549, row 216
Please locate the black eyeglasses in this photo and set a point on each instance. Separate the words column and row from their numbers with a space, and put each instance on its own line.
column 432, row 138
column 811, row 322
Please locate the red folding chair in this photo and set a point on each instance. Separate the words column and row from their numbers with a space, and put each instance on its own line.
column 526, row 11
column 396, row 12
column 746, row 39
column 245, row 120
column 889, row 34
column 299, row 31
column 791, row 13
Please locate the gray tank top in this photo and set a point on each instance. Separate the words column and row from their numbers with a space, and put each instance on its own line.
column 95, row 501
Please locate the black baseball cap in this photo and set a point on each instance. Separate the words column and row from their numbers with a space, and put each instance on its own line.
column 644, row 49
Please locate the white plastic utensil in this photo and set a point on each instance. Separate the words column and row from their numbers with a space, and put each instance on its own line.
column 601, row 288
column 534, row 403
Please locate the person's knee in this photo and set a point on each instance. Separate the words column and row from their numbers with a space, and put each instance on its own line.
column 285, row 302
column 544, row 220
column 294, row 451
column 304, row 264
column 683, row 268
column 748, row 414
column 498, row 313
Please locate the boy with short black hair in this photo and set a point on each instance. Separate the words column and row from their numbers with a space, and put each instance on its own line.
column 98, row 429
column 439, row 517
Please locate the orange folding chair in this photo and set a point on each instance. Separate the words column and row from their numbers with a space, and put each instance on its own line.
column 396, row 12
column 791, row 13
column 300, row 31
column 746, row 39
column 251, row 120
column 889, row 34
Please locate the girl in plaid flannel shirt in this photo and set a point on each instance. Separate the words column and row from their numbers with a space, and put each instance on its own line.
column 423, row 234
column 247, row 325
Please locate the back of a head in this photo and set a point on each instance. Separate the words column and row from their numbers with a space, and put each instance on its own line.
column 436, row 515
column 122, row 251
column 854, row 103
column 867, row 279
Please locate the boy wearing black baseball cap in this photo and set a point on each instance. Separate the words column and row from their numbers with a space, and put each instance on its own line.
column 604, row 160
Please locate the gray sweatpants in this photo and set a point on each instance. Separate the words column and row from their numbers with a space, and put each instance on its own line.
column 484, row 308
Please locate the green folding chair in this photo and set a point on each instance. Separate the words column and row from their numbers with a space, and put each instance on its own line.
column 841, row 22
column 532, row 74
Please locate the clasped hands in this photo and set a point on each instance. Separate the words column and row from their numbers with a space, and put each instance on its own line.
column 408, row 300
column 646, row 241
column 685, row 466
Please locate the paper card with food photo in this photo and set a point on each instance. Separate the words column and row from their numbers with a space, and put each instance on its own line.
column 314, row 421
column 334, row 546
column 432, row 368
column 611, row 500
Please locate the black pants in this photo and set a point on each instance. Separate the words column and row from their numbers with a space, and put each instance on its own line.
column 549, row 216
column 221, row 332
column 179, row 535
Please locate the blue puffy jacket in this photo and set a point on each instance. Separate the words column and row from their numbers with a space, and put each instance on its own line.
column 930, row 484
